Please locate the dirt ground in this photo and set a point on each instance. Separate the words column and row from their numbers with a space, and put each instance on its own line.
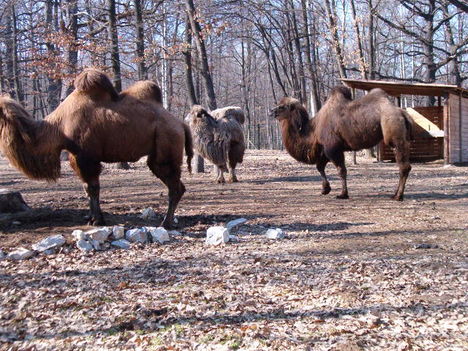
column 366, row 273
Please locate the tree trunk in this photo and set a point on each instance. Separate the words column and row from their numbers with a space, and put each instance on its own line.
column 54, row 87
column 198, row 161
column 371, row 39
column 202, row 55
column 362, row 60
column 72, row 30
column 140, row 41
column 115, row 58
column 333, row 26
column 12, row 56
column 113, row 36
column 315, row 103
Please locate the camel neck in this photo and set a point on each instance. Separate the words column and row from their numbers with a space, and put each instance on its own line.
column 303, row 147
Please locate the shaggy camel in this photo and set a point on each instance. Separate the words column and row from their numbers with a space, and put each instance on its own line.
column 344, row 125
column 219, row 138
column 96, row 124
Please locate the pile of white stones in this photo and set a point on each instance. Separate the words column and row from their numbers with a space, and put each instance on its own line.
column 46, row 246
column 94, row 240
column 105, row 237
column 218, row 235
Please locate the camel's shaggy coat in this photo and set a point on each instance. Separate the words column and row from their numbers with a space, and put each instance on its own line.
column 96, row 124
column 219, row 138
column 343, row 125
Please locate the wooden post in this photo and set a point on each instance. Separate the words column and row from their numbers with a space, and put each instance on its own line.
column 446, row 131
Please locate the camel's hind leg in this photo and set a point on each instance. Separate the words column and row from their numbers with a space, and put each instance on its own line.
column 89, row 171
column 232, row 171
column 219, row 175
column 170, row 175
column 402, row 152
column 321, row 164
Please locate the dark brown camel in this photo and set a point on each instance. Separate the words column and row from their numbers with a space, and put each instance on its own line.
column 96, row 124
column 344, row 125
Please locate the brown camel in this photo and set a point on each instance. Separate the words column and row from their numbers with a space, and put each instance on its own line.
column 219, row 138
column 344, row 125
column 96, row 124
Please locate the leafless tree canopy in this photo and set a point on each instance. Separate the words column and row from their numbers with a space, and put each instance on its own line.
column 246, row 53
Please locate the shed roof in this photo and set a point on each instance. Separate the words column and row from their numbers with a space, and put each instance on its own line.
column 397, row 89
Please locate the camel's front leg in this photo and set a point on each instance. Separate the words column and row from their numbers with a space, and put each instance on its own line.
column 219, row 175
column 321, row 163
column 338, row 159
column 92, row 188
column 232, row 175
column 89, row 170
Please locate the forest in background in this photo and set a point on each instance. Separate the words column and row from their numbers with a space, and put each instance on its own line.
column 216, row 53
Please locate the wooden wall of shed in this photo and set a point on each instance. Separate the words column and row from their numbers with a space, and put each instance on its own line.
column 421, row 148
column 456, row 131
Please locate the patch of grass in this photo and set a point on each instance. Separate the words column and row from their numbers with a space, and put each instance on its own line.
column 206, row 339
column 179, row 329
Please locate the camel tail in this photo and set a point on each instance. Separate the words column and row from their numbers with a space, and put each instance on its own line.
column 92, row 81
column 20, row 139
column 409, row 125
column 188, row 147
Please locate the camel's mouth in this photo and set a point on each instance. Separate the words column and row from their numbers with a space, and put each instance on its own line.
column 274, row 112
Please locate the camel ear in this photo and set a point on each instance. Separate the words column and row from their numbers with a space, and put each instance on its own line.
column 299, row 118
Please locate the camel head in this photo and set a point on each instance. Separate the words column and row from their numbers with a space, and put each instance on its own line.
column 291, row 111
column 199, row 116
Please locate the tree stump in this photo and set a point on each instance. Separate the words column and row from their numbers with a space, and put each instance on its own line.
column 12, row 201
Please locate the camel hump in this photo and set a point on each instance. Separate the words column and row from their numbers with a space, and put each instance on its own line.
column 378, row 91
column 343, row 91
column 230, row 112
column 94, row 82
column 145, row 90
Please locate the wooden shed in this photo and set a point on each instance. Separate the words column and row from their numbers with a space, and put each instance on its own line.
column 441, row 131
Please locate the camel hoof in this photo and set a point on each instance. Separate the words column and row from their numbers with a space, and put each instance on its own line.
column 326, row 190
column 234, row 180
column 221, row 181
column 343, row 197
column 397, row 197
column 167, row 225
column 96, row 222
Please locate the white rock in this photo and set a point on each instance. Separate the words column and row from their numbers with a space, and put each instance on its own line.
column 79, row 235
column 118, row 232
column 159, row 235
column 233, row 238
column 148, row 213
column 235, row 222
column 136, row 235
column 84, row 245
column 217, row 235
column 20, row 254
column 276, row 233
column 96, row 244
column 174, row 233
column 122, row 243
column 49, row 251
column 99, row 234
column 49, row 243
